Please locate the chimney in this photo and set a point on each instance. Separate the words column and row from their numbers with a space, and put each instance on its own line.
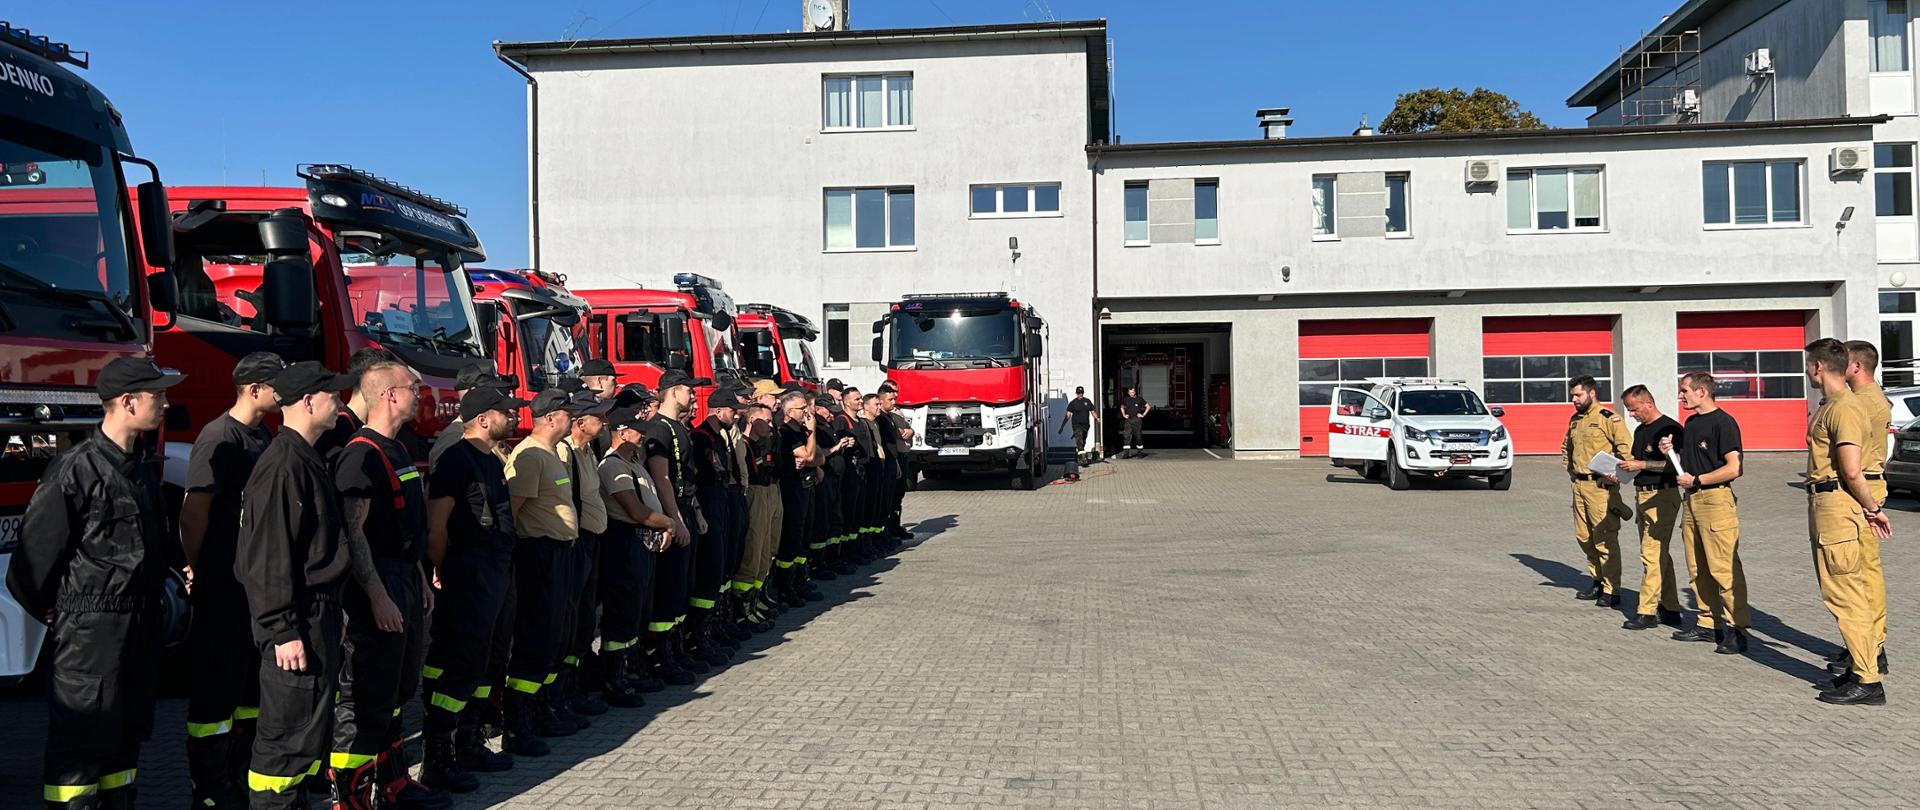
column 1364, row 131
column 1274, row 121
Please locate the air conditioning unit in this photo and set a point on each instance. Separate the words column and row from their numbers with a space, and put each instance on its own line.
column 1849, row 160
column 1483, row 172
column 1686, row 103
column 1760, row 62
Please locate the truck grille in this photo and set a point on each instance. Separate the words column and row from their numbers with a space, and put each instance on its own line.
column 961, row 431
column 1474, row 436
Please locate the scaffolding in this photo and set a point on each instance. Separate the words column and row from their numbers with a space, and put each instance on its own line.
column 1660, row 79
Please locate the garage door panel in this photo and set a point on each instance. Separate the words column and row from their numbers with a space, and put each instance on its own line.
column 1351, row 350
column 1527, row 363
column 1752, row 354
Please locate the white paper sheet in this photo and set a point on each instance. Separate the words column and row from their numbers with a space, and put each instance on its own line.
column 1604, row 463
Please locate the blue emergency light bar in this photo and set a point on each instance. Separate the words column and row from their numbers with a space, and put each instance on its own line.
column 978, row 296
column 55, row 51
column 695, row 280
column 342, row 171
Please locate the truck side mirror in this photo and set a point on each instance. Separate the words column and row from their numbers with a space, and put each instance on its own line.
column 721, row 321
column 1035, row 345
column 284, row 232
column 1376, row 413
column 286, row 290
column 163, row 291
column 880, row 326
column 678, row 359
column 1498, row 411
column 489, row 327
column 156, row 224
column 876, row 350
column 1036, row 323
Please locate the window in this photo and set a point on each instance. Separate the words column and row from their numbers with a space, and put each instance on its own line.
column 1397, row 203
column 869, row 101
column 1017, row 200
column 1543, row 378
column 1750, row 375
column 1206, row 212
column 1323, row 198
column 838, row 353
column 1557, row 199
column 1318, row 378
column 869, row 218
column 1893, row 179
column 1887, row 35
column 1752, row 193
column 1897, row 319
column 1136, row 204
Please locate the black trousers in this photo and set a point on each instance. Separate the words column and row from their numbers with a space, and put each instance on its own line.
column 296, row 710
column 796, row 502
column 542, row 579
column 626, row 585
column 737, row 545
column 881, row 483
column 223, row 697
column 824, row 522
column 583, row 617
column 710, row 552
column 99, row 700
column 902, row 481
column 1132, row 434
column 473, row 589
column 673, row 579
column 379, row 671
column 854, row 499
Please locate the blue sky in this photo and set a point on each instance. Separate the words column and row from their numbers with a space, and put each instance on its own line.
column 238, row 92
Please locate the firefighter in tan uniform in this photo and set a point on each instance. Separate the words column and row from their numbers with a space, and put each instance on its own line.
column 1597, row 508
column 1862, row 361
column 1842, row 513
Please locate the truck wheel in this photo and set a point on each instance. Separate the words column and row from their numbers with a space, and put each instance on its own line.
column 1500, row 482
column 1025, row 479
column 1372, row 471
column 1397, row 479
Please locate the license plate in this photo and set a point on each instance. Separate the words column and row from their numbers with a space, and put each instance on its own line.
column 1910, row 447
column 1461, row 459
column 1460, row 445
column 9, row 533
column 953, row 451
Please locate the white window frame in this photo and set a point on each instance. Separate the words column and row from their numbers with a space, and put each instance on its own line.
column 1605, row 380
column 1333, row 208
column 853, row 221
column 1129, row 185
column 1406, row 177
column 828, row 314
column 1344, row 382
column 1215, row 183
column 1906, row 39
column 1720, row 378
column 1800, row 176
column 1000, row 200
column 853, row 102
column 1913, row 160
column 1533, row 199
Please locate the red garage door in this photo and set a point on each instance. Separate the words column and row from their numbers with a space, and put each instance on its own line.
column 1527, row 362
column 1756, row 357
column 1333, row 353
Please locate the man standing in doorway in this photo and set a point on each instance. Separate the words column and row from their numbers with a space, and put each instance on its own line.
column 1658, row 496
column 1134, row 410
column 1597, row 508
column 1080, row 413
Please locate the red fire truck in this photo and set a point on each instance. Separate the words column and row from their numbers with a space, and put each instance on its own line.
column 775, row 343
column 972, row 371
column 72, row 296
column 532, row 326
column 316, row 273
column 645, row 332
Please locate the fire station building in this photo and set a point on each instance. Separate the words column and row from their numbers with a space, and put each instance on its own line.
column 1237, row 282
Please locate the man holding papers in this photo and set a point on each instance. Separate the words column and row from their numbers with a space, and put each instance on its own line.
column 1657, row 491
column 1597, row 509
column 1709, row 461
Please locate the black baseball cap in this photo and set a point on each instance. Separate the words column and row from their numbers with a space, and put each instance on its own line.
column 830, row 402
column 675, row 377
column 477, row 375
column 309, row 377
column 633, row 395
column 626, row 419
column 834, row 384
column 723, row 398
column 128, row 375
column 258, row 368
column 1079, row 389
column 479, row 400
column 570, row 385
column 548, row 401
column 598, row 367
column 587, row 403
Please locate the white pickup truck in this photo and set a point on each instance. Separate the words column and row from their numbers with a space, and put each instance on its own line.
column 1406, row 428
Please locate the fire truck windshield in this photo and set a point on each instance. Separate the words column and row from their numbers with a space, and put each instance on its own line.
column 419, row 304
column 550, row 353
column 800, row 358
column 64, row 268
column 932, row 337
column 725, row 359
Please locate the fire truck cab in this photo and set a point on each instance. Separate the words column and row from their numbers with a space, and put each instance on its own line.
column 971, row 372
column 775, row 343
column 532, row 326
column 645, row 332
column 74, row 294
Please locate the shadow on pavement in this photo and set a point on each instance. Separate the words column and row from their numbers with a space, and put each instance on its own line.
column 927, row 529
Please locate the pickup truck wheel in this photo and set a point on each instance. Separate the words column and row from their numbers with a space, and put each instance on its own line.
column 1024, row 480
column 1373, row 470
column 1500, row 482
column 1397, row 478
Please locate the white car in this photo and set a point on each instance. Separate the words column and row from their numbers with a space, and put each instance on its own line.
column 1407, row 428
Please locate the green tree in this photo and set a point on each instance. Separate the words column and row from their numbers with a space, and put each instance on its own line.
column 1456, row 110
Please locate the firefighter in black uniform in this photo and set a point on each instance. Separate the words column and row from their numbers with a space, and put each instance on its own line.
column 384, row 498
column 470, row 542
column 882, row 475
column 223, row 697
column 797, row 442
column 669, row 462
column 471, row 377
column 636, row 531
column 857, row 544
column 898, row 435
column 293, row 563
column 713, row 462
column 823, row 534
column 91, row 565
column 577, row 692
column 353, row 409
column 1134, row 409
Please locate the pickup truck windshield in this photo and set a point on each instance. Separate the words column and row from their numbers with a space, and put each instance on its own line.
column 1441, row 403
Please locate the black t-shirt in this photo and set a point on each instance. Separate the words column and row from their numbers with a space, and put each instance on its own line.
column 395, row 531
column 668, row 438
column 826, row 436
column 222, row 459
column 335, row 438
column 712, row 460
column 455, row 431
column 476, row 480
column 791, row 438
column 1646, row 447
column 1081, row 409
column 762, row 459
column 1133, row 407
column 1710, row 437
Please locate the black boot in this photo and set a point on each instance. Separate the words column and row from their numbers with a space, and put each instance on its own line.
column 732, row 616
column 1670, row 618
column 210, row 770
column 1607, row 600
column 351, row 789
column 520, row 738
column 789, row 588
column 1843, row 663
column 701, row 646
column 1696, row 633
column 1732, row 642
column 583, row 689
column 619, row 688
column 1591, row 592
column 1641, row 622
column 638, row 675
column 663, row 664
column 683, row 652
column 470, row 749
column 818, row 569
column 803, row 580
column 546, row 723
column 398, row 788
column 1854, row 693
column 440, row 769
column 556, row 701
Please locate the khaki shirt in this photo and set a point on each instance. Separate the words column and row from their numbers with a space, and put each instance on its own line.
column 1840, row 420
column 1873, row 455
column 586, row 474
column 620, row 474
column 737, row 439
column 1599, row 430
column 535, row 473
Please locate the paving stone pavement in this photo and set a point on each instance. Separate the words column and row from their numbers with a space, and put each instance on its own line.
column 1180, row 631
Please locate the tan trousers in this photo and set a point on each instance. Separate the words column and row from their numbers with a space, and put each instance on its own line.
column 1870, row 565
column 1659, row 513
column 764, row 511
column 1711, row 529
column 1839, row 532
column 1597, row 510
